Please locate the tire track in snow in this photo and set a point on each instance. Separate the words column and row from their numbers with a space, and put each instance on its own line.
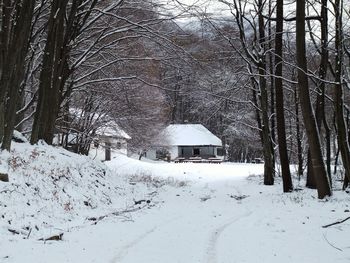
column 124, row 250
column 212, row 248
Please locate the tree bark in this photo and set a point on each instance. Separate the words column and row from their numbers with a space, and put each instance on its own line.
column 53, row 75
column 269, row 170
column 272, row 88
column 320, row 101
column 281, row 127
column 320, row 173
column 15, row 37
column 298, row 133
column 64, row 25
column 310, row 177
column 342, row 137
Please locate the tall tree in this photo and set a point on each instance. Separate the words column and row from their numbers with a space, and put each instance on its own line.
column 14, row 42
column 322, row 182
column 64, row 24
column 281, row 129
column 321, row 118
column 254, row 54
column 16, row 18
column 342, row 134
column 267, row 147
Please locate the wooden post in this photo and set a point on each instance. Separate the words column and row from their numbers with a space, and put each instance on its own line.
column 108, row 151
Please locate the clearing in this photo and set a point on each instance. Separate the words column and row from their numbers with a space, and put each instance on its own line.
column 207, row 213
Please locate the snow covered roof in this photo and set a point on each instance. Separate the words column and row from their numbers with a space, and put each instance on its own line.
column 106, row 125
column 112, row 129
column 189, row 135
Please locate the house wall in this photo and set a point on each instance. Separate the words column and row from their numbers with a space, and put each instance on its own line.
column 152, row 153
column 202, row 151
column 117, row 146
column 185, row 151
column 174, row 152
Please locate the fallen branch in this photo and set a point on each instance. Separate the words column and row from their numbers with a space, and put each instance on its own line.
column 13, row 231
column 239, row 197
column 141, row 201
column 53, row 238
column 30, row 231
column 118, row 213
column 336, row 223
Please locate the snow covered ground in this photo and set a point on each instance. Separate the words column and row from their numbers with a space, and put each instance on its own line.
column 135, row 211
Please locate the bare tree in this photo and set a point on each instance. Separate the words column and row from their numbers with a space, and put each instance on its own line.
column 342, row 134
column 323, row 186
column 281, row 130
column 16, row 17
column 55, row 70
column 14, row 41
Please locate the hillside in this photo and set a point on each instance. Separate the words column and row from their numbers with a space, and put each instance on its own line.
column 52, row 191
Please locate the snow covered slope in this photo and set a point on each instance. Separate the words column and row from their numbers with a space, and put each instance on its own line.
column 52, row 191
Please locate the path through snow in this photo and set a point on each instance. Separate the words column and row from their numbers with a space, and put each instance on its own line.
column 221, row 216
column 199, row 216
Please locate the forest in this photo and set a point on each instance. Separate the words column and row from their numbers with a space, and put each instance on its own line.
column 269, row 77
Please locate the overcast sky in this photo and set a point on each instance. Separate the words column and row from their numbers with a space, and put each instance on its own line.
column 212, row 7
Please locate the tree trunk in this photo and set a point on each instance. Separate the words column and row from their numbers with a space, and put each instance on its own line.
column 269, row 170
column 52, row 76
column 320, row 107
column 343, row 143
column 298, row 133
column 108, row 151
column 272, row 89
column 346, row 183
column 310, row 177
column 256, row 108
column 281, row 127
column 15, row 37
column 322, row 182
column 328, row 150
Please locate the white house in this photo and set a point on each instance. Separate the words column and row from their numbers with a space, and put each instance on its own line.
column 185, row 141
column 110, row 140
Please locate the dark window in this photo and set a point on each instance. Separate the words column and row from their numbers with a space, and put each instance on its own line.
column 196, row 151
column 220, row 152
column 119, row 145
column 162, row 153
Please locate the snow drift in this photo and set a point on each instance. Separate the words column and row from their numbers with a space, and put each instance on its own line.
column 52, row 190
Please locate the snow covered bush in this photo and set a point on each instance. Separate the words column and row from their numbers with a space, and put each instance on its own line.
column 156, row 181
column 50, row 187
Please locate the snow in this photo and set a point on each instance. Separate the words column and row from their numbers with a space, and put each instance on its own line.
column 103, row 122
column 112, row 129
column 19, row 137
column 52, row 189
column 189, row 135
column 207, row 213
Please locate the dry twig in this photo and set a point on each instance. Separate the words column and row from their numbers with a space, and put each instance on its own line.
column 336, row 223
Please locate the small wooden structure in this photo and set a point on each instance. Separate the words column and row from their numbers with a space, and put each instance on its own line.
column 110, row 140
